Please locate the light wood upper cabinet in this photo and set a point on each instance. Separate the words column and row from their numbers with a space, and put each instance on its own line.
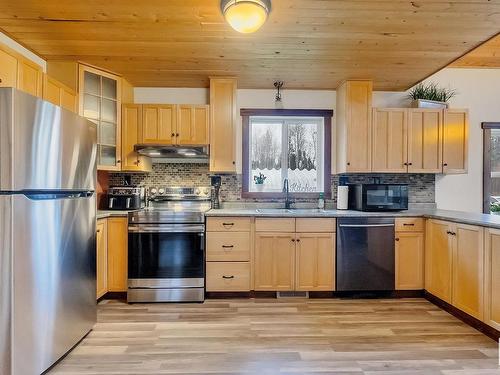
column 100, row 103
column 315, row 262
column 158, row 124
column 223, row 119
column 492, row 278
column 131, row 123
column 409, row 260
column 468, row 258
column 193, row 125
column 8, row 69
column 354, row 130
column 389, row 140
column 58, row 94
column 117, row 254
column 438, row 259
column 425, row 140
column 101, row 259
column 274, row 267
column 455, row 141
column 29, row 77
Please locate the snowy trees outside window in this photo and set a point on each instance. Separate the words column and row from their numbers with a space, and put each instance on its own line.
column 286, row 147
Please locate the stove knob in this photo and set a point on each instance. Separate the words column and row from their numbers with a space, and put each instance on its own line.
column 153, row 191
column 206, row 191
column 197, row 191
column 161, row 191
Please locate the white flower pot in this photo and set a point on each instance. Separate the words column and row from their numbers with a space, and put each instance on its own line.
column 424, row 103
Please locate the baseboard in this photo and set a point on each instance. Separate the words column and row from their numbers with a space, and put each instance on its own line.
column 464, row 317
column 239, row 295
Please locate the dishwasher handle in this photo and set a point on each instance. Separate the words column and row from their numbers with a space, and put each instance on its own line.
column 365, row 225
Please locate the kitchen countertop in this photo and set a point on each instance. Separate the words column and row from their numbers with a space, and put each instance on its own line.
column 491, row 221
column 103, row 214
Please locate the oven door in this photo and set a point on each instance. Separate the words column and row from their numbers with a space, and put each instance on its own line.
column 385, row 197
column 166, row 256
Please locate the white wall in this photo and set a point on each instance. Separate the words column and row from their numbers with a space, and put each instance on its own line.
column 22, row 50
column 478, row 90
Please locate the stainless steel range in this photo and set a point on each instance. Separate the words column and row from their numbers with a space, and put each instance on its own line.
column 166, row 246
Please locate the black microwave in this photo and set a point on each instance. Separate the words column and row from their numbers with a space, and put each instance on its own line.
column 378, row 197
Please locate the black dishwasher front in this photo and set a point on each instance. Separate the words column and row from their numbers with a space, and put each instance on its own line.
column 365, row 254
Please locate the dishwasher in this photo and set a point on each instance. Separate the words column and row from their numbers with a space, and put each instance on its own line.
column 365, row 254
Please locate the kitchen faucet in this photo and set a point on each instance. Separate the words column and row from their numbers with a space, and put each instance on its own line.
column 286, row 190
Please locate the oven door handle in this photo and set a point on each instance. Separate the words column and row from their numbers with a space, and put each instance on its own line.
column 175, row 228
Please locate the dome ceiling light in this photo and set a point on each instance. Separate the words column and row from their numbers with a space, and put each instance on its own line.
column 245, row 16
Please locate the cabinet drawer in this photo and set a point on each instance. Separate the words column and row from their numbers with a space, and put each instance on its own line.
column 315, row 225
column 225, row 247
column 226, row 224
column 228, row 276
column 409, row 224
column 274, row 225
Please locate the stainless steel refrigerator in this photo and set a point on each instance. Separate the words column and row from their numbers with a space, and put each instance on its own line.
column 47, row 232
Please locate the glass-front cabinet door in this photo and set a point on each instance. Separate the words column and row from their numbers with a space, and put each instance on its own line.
column 100, row 103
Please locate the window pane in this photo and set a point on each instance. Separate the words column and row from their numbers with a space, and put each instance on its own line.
column 265, row 156
column 108, row 88
column 495, row 171
column 305, row 164
column 92, row 83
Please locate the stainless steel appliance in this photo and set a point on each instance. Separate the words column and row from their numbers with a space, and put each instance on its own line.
column 166, row 246
column 125, row 198
column 378, row 197
column 365, row 254
column 173, row 152
column 47, row 232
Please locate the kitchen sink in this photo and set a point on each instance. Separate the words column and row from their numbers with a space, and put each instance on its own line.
column 282, row 211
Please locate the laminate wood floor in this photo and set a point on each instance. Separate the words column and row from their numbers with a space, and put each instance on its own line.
column 268, row 336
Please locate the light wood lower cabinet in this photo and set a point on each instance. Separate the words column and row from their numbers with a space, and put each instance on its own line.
column 274, row 261
column 315, row 262
column 101, row 259
column 409, row 260
column 117, row 254
column 454, row 265
column 228, row 276
column 234, row 246
column 492, row 278
column 438, row 259
column 468, row 258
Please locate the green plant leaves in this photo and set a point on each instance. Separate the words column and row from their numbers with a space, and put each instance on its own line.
column 431, row 91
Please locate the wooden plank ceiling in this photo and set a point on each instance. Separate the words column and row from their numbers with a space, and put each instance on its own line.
column 307, row 43
column 485, row 56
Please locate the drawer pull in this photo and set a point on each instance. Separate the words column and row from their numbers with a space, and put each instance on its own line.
column 227, row 277
column 227, row 246
column 227, row 224
column 409, row 224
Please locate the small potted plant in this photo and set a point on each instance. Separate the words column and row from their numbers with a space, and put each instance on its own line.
column 495, row 208
column 430, row 96
column 259, row 181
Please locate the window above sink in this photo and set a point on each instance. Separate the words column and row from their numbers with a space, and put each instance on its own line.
column 286, row 144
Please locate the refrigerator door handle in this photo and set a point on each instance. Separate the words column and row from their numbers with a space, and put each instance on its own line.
column 43, row 196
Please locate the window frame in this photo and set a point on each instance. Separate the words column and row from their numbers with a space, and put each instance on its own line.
column 326, row 114
column 487, row 127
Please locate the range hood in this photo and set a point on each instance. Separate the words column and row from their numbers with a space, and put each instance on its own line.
column 172, row 152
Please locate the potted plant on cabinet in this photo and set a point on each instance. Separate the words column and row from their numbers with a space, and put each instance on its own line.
column 430, row 96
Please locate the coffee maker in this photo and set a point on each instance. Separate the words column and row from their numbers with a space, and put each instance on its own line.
column 216, row 182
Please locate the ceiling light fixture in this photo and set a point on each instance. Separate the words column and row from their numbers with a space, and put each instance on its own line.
column 245, row 16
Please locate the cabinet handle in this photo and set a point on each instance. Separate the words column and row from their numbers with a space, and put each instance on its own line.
column 298, row 239
column 177, row 134
column 397, row 239
column 445, row 164
column 227, row 224
column 173, row 134
column 234, row 162
column 405, row 163
column 409, row 225
column 228, row 277
column 293, row 239
column 227, row 246
column 410, row 163
column 98, row 231
column 0, row 80
column 348, row 163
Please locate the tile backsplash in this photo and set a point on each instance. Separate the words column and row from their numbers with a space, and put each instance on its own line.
column 421, row 186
